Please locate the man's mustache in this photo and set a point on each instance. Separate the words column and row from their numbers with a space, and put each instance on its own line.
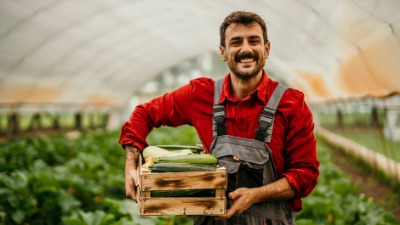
column 246, row 55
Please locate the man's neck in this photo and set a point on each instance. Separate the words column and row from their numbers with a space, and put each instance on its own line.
column 242, row 88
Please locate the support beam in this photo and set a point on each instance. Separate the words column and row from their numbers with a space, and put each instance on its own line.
column 339, row 118
column 13, row 124
column 35, row 123
column 78, row 120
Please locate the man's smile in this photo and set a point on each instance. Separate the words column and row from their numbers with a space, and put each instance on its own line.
column 246, row 60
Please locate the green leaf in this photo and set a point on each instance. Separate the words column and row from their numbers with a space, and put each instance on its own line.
column 67, row 202
column 18, row 216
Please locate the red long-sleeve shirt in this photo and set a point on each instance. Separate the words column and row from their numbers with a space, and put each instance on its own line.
column 293, row 142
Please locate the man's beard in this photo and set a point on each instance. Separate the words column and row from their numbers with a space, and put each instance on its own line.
column 246, row 75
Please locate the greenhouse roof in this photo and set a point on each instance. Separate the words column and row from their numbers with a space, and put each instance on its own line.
column 101, row 51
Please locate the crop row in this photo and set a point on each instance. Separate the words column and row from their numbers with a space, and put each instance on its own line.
column 79, row 181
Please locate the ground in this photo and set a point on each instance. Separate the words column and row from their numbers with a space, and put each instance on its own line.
column 382, row 191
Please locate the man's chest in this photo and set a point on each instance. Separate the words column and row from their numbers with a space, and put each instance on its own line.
column 242, row 118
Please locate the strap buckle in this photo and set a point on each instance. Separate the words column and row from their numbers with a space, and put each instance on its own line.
column 219, row 116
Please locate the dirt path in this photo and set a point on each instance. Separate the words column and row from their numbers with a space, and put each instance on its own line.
column 369, row 183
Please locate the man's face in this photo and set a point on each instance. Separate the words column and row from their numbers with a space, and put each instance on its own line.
column 244, row 50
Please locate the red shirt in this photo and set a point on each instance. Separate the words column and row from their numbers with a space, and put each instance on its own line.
column 293, row 142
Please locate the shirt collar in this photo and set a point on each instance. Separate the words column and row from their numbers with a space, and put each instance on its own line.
column 260, row 91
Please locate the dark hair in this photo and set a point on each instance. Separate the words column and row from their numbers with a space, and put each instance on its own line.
column 241, row 17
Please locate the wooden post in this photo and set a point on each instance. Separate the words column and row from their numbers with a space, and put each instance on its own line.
column 92, row 123
column 339, row 118
column 56, row 122
column 105, row 118
column 13, row 123
column 374, row 119
column 1, row 125
column 35, row 123
column 78, row 120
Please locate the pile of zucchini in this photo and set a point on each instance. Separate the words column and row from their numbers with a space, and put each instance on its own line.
column 179, row 159
column 160, row 160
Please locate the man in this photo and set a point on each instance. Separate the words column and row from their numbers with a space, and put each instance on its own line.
column 246, row 114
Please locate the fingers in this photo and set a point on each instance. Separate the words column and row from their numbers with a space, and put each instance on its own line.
column 229, row 213
column 241, row 203
column 132, row 194
column 134, row 175
column 131, row 183
column 130, row 190
column 224, row 217
column 233, row 195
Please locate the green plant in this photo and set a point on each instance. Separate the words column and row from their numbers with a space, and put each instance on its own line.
column 59, row 180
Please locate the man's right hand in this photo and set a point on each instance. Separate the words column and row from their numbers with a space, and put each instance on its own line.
column 132, row 155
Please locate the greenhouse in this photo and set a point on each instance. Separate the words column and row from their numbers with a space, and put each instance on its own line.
column 72, row 72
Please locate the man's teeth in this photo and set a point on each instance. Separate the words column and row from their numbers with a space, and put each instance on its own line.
column 247, row 60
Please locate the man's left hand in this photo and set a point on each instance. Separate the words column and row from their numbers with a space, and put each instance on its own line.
column 242, row 198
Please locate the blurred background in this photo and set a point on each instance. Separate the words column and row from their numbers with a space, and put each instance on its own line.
column 72, row 71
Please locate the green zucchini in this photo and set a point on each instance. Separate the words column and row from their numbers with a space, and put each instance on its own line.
column 181, row 167
column 175, row 193
column 192, row 159
column 184, row 193
column 154, row 152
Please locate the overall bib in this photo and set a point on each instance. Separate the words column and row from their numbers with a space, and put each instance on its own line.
column 249, row 164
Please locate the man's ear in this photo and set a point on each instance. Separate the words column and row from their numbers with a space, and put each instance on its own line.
column 222, row 52
column 267, row 49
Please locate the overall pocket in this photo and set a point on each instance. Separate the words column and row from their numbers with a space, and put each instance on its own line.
column 244, row 160
column 250, row 176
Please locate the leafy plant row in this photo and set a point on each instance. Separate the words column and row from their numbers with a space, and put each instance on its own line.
column 59, row 180
column 79, row 181
column 335, row 200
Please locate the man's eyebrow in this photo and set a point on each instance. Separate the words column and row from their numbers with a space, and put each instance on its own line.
column 255, row 37
column 236, row 38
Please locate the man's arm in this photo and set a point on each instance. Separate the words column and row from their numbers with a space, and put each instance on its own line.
column 132, row 155
column 171, row 109
column 246, row 197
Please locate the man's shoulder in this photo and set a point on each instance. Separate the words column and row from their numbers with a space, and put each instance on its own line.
column 295, row 93
column 293, row 99
column 290, row 91
column 202, row 82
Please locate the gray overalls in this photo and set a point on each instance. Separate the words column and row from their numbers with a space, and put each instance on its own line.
column 249, row 164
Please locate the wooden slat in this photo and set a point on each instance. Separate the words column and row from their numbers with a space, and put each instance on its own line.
column 182, row 206
column 220, row 193
column 159, row 206
column 183, row 180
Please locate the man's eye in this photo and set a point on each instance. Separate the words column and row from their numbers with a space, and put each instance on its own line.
column 235, row 43
column 254, row 41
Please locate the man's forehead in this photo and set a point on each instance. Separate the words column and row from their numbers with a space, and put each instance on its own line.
column 238, row 26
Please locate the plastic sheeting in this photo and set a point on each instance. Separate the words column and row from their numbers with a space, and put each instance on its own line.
column 101, row 51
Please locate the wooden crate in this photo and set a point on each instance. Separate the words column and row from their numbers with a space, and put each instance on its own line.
column 161, row 206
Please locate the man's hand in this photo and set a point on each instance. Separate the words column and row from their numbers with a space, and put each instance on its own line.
column 243, row 198
column 131, row 172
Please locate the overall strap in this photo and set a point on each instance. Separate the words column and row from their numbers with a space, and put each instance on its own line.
column 266, row 120
column 219, row 127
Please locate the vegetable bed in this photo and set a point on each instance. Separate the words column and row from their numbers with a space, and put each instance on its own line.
column 79, row 181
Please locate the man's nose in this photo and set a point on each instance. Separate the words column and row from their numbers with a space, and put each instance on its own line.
column 246, row 46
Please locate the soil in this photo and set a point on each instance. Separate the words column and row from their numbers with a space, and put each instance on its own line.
column 381, row 190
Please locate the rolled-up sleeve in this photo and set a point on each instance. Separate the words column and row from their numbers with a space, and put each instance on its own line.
column 300, row 147
column 171, row 109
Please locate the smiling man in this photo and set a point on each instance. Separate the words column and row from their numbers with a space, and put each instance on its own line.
column 261, row 131
column 246, row 49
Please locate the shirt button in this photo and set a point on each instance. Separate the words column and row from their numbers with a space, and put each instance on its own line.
column 242, row 125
